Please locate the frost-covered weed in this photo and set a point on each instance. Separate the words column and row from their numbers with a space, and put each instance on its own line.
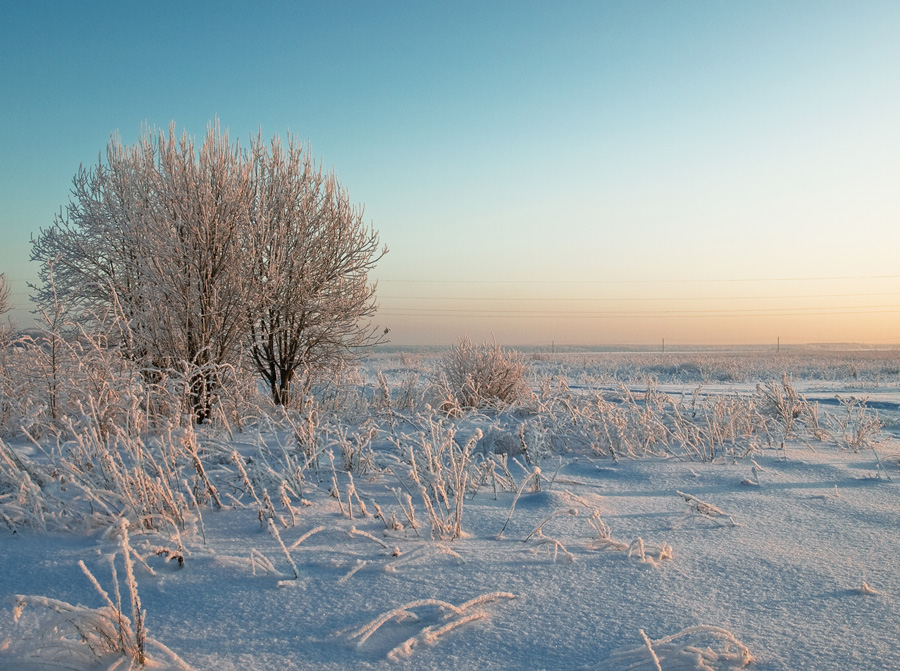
column 700, row 648
column 858, row 426
column 440, row 469
column 782, row 402
column 493, row 468
column 553, row 545
column 478, row 376
column 637, row 549
column 450, row 617
column 357, row 455
column 71, row 636
column 625, row 423
column 704, row 509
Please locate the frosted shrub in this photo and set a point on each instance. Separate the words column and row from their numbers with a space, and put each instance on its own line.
column 782, row 402
column 858, row 427
column 17, row 405
column 478, row 376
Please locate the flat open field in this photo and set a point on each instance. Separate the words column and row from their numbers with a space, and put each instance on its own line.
column 633, row 511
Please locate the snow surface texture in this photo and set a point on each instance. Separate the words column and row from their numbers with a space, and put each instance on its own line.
column 776, row 556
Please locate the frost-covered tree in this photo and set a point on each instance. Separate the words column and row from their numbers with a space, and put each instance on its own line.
column 153, row 235
column 187, row 246
column 312, row 253
column 6, row 326
column 4, row 295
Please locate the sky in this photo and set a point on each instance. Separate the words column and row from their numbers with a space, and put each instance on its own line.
column 542, row 173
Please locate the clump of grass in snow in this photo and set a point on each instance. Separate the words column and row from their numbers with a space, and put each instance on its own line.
column 76, row 637
column 440, row 469
column 637, row 549
column 476, row 376
column 705, row 509
column 860, row 429
column 80, row 637
column 866, row 590
column 487, row 467
column 701, row 648
column 783, row 403
column 452, row 617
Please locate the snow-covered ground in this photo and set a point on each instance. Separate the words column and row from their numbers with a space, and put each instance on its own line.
column 568, row 558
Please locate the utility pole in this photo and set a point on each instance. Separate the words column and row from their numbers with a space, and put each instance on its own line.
column 664, row 346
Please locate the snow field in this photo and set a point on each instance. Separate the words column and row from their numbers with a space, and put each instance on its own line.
column 602, row 564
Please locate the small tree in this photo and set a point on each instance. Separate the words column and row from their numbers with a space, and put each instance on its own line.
column 6, row 327
column 154, row 234
column 4, row 295
column 311, row 256
column 199, row 251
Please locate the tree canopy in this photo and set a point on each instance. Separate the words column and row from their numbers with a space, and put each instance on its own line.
column 207, row 254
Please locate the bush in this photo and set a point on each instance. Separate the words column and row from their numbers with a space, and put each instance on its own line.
column 478, row 376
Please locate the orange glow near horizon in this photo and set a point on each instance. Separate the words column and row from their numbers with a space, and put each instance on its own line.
column 813, row 310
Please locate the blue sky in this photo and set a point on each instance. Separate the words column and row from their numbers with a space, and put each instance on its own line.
column 579, row 172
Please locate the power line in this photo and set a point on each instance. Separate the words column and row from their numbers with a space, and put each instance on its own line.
column 642, row 299
column 551, row 313
column 663, row 314
column 641, row 281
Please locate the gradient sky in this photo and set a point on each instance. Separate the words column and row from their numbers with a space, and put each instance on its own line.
column 578, row 172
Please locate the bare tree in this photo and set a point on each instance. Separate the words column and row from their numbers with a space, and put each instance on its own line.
column 154, row 235
column 6, row 326
column 205, row 251
column 312, row 254
column 4, row 295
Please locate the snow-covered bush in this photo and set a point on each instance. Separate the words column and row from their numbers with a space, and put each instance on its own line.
column 858, row 428
column 478, row 376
